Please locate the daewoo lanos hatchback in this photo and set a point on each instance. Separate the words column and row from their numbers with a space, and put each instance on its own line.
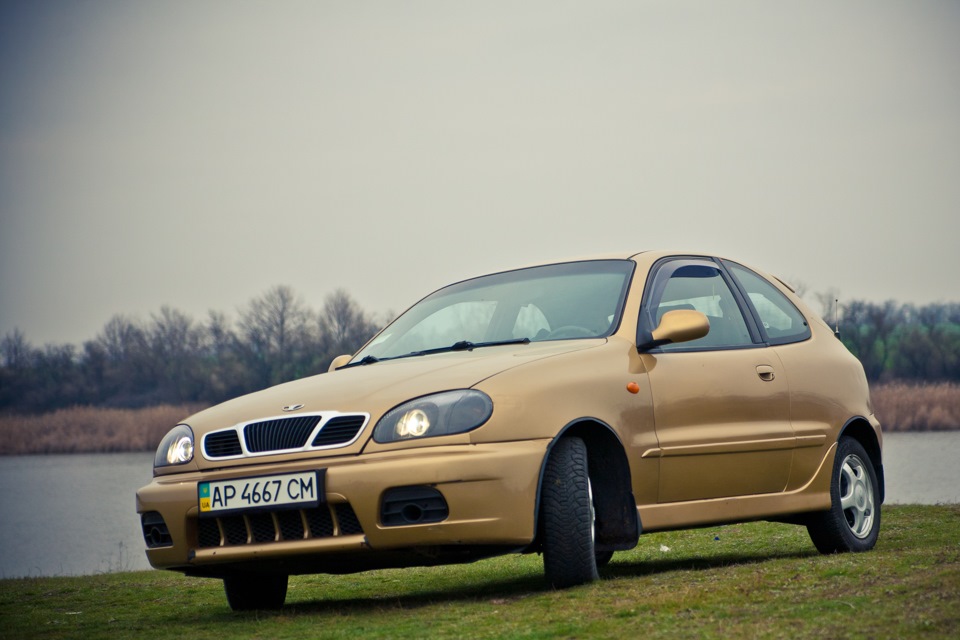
column 562, row 409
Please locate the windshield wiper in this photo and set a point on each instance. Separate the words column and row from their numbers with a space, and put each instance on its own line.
column 362, row 361
column 466, row 345
column 462, row 345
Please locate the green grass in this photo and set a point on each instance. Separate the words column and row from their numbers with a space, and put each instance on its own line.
column 753, row 580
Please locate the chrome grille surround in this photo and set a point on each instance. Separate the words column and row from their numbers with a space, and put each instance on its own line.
column 284, row 434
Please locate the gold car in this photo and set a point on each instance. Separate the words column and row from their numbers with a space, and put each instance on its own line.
column 562, row 409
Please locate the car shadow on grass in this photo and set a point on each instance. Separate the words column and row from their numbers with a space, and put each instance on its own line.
column 508, row 589
column 644, row 567
column 505, row 589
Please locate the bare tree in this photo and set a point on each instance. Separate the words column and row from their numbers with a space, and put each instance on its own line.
column 272, row 328
column 344, row 327
column 15, row 351
column 121, row 338
column 127, row 368
column 175, row 347
column 221, row 338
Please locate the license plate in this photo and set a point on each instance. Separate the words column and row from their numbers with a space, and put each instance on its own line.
column 286, row 491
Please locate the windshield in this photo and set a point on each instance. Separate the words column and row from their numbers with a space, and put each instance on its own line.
column 555, row 302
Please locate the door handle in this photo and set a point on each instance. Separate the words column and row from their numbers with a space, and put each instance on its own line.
column 766, row 372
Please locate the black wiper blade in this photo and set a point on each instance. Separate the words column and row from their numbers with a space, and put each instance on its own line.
column 462, row 345
column 466, row 345
column 359, row 363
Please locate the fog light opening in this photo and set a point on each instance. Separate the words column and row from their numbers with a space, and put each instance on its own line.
column 155, row 537
column 412, row 513
column 155, row 531
column 405, row 506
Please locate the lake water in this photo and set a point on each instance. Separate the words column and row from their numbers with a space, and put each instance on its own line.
column 76, row 514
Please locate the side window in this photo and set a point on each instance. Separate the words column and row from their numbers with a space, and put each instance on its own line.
column 702, row 288
column 781, row 320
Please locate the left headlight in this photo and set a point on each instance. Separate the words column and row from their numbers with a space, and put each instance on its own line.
column 439, row 414
column 175, row 448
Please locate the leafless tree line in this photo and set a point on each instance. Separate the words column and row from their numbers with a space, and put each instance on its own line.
column 172, row 358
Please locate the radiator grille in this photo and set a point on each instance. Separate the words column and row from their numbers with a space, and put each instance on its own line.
column 284, row 434
column 222, row 444
column 277, row 435
column 324, row 521
column 339, row 430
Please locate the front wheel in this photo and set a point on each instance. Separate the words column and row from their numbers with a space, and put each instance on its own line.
column 248, row 592
column 567, row 516
column 853, row 521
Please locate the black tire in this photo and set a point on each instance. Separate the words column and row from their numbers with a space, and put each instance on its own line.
column 249, row 592
column 853, row 521
column 566, row 516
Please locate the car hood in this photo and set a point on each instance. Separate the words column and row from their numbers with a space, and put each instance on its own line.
column 374, row 389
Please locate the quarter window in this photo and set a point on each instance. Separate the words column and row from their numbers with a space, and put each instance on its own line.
column 781, row 320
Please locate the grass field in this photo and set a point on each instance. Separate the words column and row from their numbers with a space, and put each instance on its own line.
column 900, row 407
column 758, row 580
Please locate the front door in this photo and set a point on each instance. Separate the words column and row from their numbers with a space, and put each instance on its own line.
column 721, row 403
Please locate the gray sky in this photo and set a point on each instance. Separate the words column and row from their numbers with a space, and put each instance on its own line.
column 195, row 153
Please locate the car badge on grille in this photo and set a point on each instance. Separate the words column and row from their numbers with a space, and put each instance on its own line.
column 293, row 407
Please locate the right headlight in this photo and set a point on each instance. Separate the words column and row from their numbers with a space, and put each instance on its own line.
column 439, row 414
column 175, row 448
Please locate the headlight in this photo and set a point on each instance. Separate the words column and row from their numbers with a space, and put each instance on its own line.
column 175, row 448
column 439, row 414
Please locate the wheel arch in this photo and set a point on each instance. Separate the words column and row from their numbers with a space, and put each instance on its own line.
column 617, row 519
column 860, row 429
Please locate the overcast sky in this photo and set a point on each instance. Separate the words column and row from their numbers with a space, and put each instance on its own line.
column 195, row 153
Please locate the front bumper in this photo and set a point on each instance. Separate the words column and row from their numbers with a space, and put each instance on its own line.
column 490, row 490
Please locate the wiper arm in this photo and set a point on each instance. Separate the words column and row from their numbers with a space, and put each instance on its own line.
column 466, row 345
column 462, row 345
column 359, row 363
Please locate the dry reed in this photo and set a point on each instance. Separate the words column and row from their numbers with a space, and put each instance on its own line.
column 899, row 406
column 902, row 406
column 90, row 430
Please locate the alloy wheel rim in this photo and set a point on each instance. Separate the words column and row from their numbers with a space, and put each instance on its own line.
column 856, row 496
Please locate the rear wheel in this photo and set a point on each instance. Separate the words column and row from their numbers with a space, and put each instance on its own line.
column 567, row 516
column 853, row 521
column 247, row 592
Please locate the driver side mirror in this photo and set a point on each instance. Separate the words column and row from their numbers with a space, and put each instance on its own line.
column 338, row 362
column 680, row 325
